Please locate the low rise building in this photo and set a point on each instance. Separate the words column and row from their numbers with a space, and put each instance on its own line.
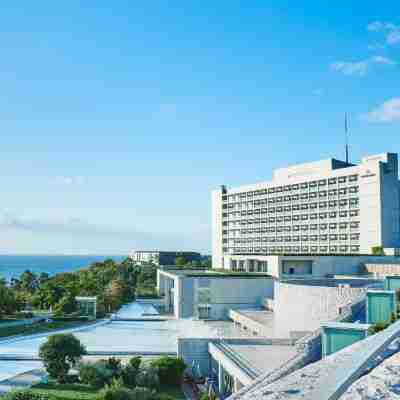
column 158, row 257
column 210, row 294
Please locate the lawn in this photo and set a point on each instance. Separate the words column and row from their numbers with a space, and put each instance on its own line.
column 39, row 328
column 84, row 392
column 67, row 391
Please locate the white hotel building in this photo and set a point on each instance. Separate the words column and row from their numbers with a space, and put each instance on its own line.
column 326, row 207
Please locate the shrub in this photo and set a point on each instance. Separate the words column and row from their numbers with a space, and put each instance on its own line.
column 114, row 365
column 59, row 353
column 170, row 370
column 95, row 374
column 143, row 393
column 25, row 395
column 378, row 327
column 147, row 377
column 115, row 393
column 378, row 251
column 130, row 371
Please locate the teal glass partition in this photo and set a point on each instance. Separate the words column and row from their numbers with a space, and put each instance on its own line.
column 392, row 283
column 337, row 336
column 380, row 306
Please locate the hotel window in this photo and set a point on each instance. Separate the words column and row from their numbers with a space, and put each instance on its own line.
column 296, row 238
column 342, row 214
column 332, row 214
column 279, row 209
column 271, row 210
column 288, row 249
column 354, row 225
column 295, row 197
column 296, row 228
column 250, row 194
column 287, row 208
column 354, row 213
column 322, row 182
column 322, row 204
column 288, row 238
column 279, row 229
column 287, row 218
column 279, row 199
column 333, row 249
column 332, row 181
column 323, row 238
column 313, row 216
column 344, row 248
column 353, row 178
column 296, row 217
column 304, row 227
column 353, row 202
column 332, row 204
column 287, row 188
column 295, row 187
column 304, row 207
column 271, row 220
column 355, row 236
column 288, row 228
column 313, row 184
column 332, row 192
column 314, row 237
column 314, row 227
column 313, row 206
column 332, row 226
column 296, row 207
column 322, row 194
column 304, row 249
column 343, row 225
column 271, row 190
column 342, row 179
column 313, row 195
column 323, row 249
column 279, row 219
column 304, row 217
column 323, row 226
column 279, row 189
column 342, row 191
column 333, row 237
column 342, row 203
column 304, row 196
column 304, row 238
column 355, row 249
column 322, row 215
column 271, row 201
column 314, row 249
column 353, row 189
column 304, row 186
column 343, row 237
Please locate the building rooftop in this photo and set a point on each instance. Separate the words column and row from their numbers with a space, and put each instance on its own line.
column 201, row 273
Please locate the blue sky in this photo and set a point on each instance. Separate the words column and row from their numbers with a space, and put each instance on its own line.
column 119, row 118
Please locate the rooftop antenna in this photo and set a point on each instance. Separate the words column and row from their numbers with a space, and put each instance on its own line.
column 346, row 132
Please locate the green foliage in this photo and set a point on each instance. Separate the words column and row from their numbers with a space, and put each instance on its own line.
column 378, row 251
column 66, row 305
column 8, row 301
column 116, row 391
column 95, row 375
column 180, row 261
column 378, row 327
column 170, row 370
column 147, row 376
column 59, row 353
column 25, row 395
column 130, row 371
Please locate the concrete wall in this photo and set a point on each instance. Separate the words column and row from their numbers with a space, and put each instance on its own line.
column 304, row 307
column 216, row 228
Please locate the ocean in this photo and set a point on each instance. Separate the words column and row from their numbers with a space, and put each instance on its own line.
column 12, row 266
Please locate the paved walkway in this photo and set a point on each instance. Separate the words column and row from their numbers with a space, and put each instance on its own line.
column 22, row 381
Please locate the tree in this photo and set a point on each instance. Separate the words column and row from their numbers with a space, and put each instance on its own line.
column 170, row 369
column 66, row 305
column 378, row 251
column 59, row 353
column 180, row 261
column 8, row 302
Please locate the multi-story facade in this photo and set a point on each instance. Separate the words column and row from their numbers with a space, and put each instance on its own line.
column 158, row 257
column 323, row 207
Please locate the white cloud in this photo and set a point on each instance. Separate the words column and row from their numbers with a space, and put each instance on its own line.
column 389, row 111
column 360, row 68
column 390, row 30
column 68, row 180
